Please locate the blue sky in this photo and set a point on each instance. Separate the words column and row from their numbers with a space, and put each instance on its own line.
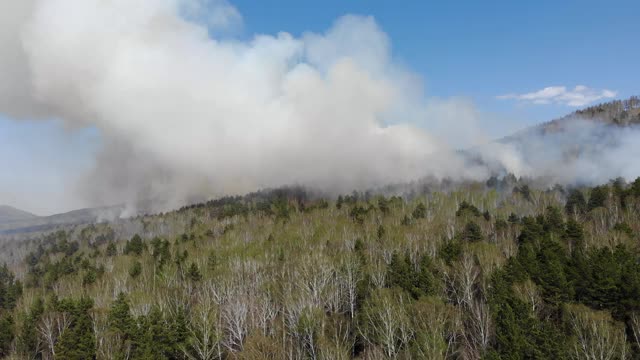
column 38, row 159
column 472, row 49
column 481, row 49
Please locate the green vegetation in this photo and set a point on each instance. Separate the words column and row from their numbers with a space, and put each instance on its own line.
column 485, row 271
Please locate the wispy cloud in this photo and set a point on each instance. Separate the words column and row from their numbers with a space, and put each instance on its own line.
column 576, row 97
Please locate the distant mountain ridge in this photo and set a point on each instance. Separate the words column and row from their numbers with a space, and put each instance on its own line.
column 13, row 220
column 615, row 113
column 10, row 214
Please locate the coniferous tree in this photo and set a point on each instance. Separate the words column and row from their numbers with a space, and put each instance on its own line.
column 77, row 342
column 553, row 220
column 134, row 246
column 450, row 251
column 599, row 195
column 123, row 326
column 472, row 232
column 573, row 234
column 576, row 203
column 383, row 205
column 466, row 209
column 194, row 272
column 7, row 333
column 420, row 212
column 28, row 342
column 136, row 269
column 112, row 250
column 513, row 219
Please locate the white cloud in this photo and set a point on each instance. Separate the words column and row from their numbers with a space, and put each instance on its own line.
column 578, row 96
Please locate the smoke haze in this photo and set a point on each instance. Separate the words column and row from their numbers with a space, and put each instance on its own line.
column 186, row 115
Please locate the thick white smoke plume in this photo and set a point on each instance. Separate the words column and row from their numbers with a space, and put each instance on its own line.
column 185, row 114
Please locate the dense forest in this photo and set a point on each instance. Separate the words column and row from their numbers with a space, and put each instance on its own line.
column 495, row 270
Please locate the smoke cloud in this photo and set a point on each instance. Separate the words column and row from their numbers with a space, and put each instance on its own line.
column 186, row 115
column 573, row 151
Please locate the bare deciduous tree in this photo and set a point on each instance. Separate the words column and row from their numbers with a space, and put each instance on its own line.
column 597, row 335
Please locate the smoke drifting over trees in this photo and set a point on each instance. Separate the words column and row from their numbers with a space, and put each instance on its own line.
column 186, row 114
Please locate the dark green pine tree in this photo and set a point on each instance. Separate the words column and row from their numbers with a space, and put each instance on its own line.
column 425, row 282
column 598, row 198
column 177, row 333
column 10, row 289
column 383, row 205
column 552, row 274
column 513, row 219
column 77, row 342
column 553, row 221
column 629, row 280
column 450, row 251
column 420, row 212
column 123, row 325
column 532, row 231
column 135, row 246
column 619, row 191
column 399, row 272
column 339, row 202
column 576, row 203
column 112, row 250
column 467, row 209
column 136, row 269
column 519, row 334
column 574, row 235
column 28, row 339
column 634, row 189
column 194, row 273
column 7, row 333
column 177, row 326
column 602, row 288
column 155, row 339
column 472, row 232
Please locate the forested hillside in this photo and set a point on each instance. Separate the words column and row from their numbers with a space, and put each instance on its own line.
column 495, row 271
column 619, row 112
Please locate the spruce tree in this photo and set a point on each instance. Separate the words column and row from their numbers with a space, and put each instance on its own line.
column 7, row 332
column 77, row 342
column 576, row 203
column 122, row 324
column 598, row 197
column 472, row 232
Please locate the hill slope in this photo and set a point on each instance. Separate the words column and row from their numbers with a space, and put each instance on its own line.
column 281, row 276
column 32, row 223
column 616, row 113
column 10, row 214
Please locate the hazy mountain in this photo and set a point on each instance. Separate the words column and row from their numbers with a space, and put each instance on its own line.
column 22, row 222
column 10, row 214
column 619, row 113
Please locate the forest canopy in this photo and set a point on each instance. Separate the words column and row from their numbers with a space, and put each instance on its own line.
column 495, row 270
